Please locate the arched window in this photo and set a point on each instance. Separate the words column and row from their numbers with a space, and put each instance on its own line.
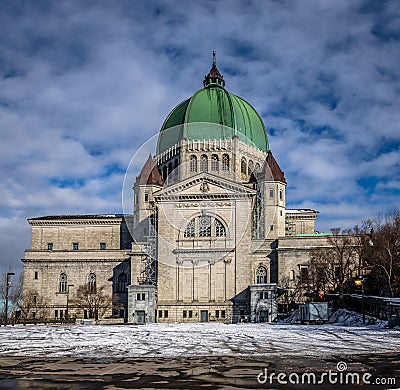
column 243, row 166
column 204, row 226
column 225, row 163
column 257, row 168
column 261, row 275
column 92, row 283
column 122, row 282
column 219, row 229
column 189, row 231
column 214, row 163
column 63, row 283
column 204, row 163
column 193, row 163
column 250, row 168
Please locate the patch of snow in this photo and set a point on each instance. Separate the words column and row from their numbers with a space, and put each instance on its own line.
column 350, row 318
column 199, row 339
column 294, row 317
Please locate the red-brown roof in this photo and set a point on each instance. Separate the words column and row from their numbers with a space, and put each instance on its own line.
column 149, row 174
column 271, row 170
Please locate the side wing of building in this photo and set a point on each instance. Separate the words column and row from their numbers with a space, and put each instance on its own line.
column 69, row 252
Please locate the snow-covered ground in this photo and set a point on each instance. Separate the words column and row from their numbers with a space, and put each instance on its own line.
column 342, row 317
column 196, row 340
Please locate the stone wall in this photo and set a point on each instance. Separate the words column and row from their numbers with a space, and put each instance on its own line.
column 86, row 231
column 142, row 304
column 44, row 267
column 294, row 252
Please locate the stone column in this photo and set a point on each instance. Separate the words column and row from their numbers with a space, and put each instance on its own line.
column 179, row 293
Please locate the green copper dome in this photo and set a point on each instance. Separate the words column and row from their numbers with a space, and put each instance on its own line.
column 213, row 113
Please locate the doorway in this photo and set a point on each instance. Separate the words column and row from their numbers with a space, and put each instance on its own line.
column 263, row 316
column 140, row 317
column 204, row 315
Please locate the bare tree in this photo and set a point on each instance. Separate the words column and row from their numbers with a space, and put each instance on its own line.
column 95, row 300
column 27, row 303
column 33, row 305
column 381, row 251
column 333, row 268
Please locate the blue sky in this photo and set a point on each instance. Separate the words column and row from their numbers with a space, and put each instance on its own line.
column 84, row 83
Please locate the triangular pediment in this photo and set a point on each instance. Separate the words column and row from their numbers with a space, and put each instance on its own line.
column 203, row 185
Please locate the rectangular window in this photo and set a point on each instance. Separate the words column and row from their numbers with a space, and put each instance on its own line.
column 55, row 313
column 33, row 315
column 272, row 227
column 50, row 246
column 165, row 313
column 281, row 213
column 160, row 314
column 264, row 295
column 184, row 314
column 216, row 313
column 61, row 314
column 75, row 246
column 222, row 313
column 146, row 197
column 36, row 275
column 141, row 296
column 271, row 193
column 34, row 299
column 280, row 195
column 103, row 246
column 190, row 314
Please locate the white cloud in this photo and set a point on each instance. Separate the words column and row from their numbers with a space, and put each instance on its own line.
column 85, row 84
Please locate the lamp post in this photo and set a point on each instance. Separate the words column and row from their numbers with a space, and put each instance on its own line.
column 66, row 312
column 7, row 288
column 360, row 282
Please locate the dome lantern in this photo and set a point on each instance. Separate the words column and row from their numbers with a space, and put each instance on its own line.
column 214, row 78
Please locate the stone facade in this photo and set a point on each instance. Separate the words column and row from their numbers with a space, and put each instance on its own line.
column 67, row 251
column 142, row 304
column 218, row 227
column 263, row 302
column 210, row 238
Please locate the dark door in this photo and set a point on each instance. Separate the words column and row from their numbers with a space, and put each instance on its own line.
column 263, row 316
column 140, row 317
column 204, row 315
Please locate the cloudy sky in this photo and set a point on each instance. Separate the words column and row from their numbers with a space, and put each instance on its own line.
column 85, row 83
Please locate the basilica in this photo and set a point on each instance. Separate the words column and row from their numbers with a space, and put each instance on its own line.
column 209, row 237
